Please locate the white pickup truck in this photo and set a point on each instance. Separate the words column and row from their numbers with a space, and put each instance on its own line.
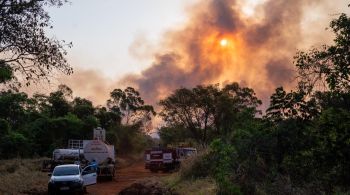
column 71, row 178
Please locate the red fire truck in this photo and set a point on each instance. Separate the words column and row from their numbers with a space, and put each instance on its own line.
column 161, row 159
column 166, row 159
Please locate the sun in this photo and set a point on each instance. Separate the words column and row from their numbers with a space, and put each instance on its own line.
column 223, row 42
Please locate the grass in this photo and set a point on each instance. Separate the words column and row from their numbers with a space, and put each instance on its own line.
column 22, row 176
column 183, row 181
column 202, row 186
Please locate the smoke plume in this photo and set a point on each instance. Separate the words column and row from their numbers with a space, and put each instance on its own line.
column 221, row 43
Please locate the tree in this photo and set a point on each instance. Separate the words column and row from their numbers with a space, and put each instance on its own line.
column 174, row 135
column 130, row 106
column 182, row 109
column 14, row 145
column 208, row 111
column 107, row 118
column 331, row 155
column 4, row 127
column 235, row 106
column 24, row 45
column 329, row 66
column 13, row 108
column 292, row 105
column 82, row 107
column 58, row 104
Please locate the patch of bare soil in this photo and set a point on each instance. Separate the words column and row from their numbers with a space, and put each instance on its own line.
column 125, row 177
column 147, row 188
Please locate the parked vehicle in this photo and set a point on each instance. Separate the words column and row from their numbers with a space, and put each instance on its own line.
column 185, row 152
column 71, row 178
column 166, row 159
column 162, row 159
column 84, row 152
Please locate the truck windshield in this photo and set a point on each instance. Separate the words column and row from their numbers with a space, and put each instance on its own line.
column 63, row 171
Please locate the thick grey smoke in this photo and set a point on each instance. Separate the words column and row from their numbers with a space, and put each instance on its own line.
column 259, row 51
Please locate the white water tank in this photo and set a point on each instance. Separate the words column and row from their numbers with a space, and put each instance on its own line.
column 61, row 154
column 99, row 151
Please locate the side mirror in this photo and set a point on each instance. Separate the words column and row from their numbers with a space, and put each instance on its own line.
column 49, row 174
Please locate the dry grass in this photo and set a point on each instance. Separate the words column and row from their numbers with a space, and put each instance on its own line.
column 22, row 176
column 203, row 186
column 197, row 187
column 183, row 183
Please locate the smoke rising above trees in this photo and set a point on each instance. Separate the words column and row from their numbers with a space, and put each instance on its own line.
column 259, row 52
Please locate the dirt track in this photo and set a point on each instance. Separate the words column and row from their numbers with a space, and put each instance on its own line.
column 125, row 177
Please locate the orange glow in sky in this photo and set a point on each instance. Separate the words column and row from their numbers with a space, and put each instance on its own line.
column 223, row 42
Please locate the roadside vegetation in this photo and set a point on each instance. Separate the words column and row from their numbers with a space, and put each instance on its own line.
column 22, row 176
column 35, row 126
column 300, row 145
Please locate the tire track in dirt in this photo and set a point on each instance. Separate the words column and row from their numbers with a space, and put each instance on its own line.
column 124, row 178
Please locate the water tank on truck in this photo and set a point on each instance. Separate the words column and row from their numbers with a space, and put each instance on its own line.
column 67, row 154
column 103, row 155
column 99, row 151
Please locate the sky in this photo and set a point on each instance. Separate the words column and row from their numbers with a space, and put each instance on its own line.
column 103, row 31
column 157, row 46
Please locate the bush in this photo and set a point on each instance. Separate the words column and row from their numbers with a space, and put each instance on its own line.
column 14, row 144
column 223, row 156
column 197, row 166
column 217, row 163
column 4, row 127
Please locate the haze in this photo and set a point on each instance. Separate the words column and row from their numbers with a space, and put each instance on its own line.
column 122, row 43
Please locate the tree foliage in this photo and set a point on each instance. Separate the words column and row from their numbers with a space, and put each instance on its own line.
column 44, row 122
column 24, row 45
column 131, row 107
column 208, row 111
column 329, row 66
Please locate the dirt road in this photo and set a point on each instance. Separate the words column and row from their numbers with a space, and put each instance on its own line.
column 125, row 177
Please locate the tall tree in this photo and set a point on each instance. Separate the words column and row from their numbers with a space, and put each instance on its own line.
column 208, row 111
column 131, row 106
column 24, row 45
column 327, row 67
